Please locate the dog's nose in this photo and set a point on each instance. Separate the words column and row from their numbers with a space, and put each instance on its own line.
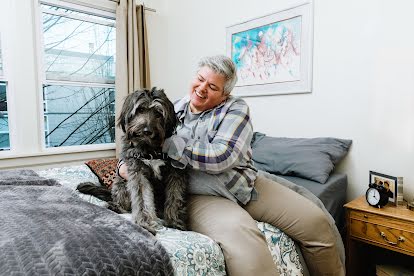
column 147, row 131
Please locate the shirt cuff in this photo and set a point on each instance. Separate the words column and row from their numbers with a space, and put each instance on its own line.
column 120, row 163
column 174, row 146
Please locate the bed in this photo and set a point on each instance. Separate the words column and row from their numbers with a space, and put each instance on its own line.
column 188, row 253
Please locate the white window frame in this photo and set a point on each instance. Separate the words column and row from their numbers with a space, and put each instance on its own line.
column 5, row 77
column 1, row 51
column 3, row 73
column 94, row 7
column 20, row 31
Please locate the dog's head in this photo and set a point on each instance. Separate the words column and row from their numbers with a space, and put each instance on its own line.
column 147, row 118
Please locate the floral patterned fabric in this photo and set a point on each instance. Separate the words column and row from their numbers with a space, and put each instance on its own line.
column 69, row 177
column 104, row 169
column 283, row 250
column 191, row 253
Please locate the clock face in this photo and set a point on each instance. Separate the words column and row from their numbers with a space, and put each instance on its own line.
column 373, row 196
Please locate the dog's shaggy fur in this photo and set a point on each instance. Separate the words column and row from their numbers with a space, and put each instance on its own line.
column 155, row 189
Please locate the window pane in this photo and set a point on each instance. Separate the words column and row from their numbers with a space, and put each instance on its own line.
column 4, row 122
column 77, row 49
column 77, row 115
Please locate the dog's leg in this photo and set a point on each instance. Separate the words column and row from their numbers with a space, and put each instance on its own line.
column 175, row 211
column 89, row 188
column 142, row 202
column 121, row 201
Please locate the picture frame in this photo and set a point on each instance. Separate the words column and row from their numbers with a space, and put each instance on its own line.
column 273, row 53
column 392, row 183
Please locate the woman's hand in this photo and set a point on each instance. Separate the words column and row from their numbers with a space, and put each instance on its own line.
column 123, row 171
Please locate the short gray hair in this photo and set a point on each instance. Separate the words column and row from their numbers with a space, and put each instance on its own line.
column 224, row 66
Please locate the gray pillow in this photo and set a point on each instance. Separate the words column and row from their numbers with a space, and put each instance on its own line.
column 310, row 158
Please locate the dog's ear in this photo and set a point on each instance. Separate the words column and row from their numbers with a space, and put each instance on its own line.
column 157, row 93
column 170, row 118
column 122, row 119
column 127, row 109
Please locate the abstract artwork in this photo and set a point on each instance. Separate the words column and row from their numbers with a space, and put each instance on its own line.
column 273, row 53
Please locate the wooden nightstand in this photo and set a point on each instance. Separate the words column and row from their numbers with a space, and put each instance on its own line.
column 369, row 229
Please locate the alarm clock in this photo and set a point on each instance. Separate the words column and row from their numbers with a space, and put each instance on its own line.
column 377, row 195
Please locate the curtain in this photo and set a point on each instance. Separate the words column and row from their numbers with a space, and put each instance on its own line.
column 132, row 59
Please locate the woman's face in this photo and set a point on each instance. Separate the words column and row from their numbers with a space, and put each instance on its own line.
column 206, row 90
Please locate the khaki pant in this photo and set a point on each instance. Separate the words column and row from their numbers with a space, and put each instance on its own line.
column 244, row 246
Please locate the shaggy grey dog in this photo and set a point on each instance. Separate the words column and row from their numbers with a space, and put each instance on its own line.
column 155, row 189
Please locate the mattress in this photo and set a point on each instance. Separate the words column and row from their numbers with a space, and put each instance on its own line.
column 332, row 193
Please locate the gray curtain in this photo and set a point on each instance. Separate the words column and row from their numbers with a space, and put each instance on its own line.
column 132, row 59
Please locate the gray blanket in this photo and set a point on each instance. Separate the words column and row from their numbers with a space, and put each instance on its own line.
column 45, row 230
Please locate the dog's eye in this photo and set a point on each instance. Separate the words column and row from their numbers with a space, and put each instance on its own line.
column 140, row 109
column 158, row 114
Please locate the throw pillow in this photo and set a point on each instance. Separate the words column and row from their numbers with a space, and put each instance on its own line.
column 309, row 158
column 104, row 169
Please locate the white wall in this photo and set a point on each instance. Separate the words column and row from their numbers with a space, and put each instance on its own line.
column 363, row 75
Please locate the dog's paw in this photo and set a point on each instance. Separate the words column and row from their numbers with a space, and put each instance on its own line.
column 150, row 228
column 115, row 207
column 176, row 225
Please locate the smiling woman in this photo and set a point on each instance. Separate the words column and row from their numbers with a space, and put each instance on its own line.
column 212, row 84
column 206, row 90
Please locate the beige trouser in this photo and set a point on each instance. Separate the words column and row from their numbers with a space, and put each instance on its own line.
column 245, row 248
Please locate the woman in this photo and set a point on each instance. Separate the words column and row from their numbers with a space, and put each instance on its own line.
column 213, row 139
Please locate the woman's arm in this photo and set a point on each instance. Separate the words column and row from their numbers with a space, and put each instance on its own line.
column 229, row 146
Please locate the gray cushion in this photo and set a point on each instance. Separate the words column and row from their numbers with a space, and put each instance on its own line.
column 310, row 158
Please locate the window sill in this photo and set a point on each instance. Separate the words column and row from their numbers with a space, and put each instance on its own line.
column 55, row 156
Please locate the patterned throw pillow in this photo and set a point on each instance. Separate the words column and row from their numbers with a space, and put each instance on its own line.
column 104, row 169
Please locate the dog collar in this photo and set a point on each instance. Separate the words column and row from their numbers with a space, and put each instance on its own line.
column 151, row 156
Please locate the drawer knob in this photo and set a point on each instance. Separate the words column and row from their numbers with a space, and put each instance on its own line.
column 400, row 239
column 365, row 216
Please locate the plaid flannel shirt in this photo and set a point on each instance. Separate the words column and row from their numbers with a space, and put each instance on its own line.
column 219, row 145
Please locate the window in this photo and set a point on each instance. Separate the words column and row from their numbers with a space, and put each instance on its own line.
column 78, row 75
column 57, row 85
column 4, row 118
column 4, row 122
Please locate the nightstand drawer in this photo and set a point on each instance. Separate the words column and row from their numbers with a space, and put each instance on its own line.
column 381, row 220
column 383, row 235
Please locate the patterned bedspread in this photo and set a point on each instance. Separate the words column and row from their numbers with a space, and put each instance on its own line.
column 191, row 253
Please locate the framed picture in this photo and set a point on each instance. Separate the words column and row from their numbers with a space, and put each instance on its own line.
column 273, row 53
column 392, row 183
